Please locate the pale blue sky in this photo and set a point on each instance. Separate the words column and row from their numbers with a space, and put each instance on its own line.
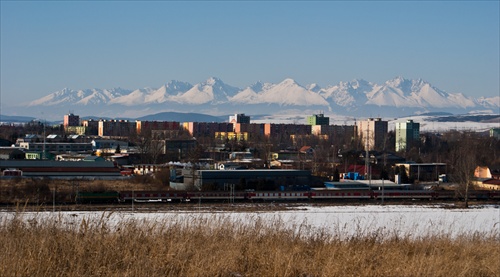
column 49, row 45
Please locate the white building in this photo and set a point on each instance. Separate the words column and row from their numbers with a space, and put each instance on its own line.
column 407, row 133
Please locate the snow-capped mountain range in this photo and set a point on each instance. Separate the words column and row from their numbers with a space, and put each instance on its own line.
column 396, row 97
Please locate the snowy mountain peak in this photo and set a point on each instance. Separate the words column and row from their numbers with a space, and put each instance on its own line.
column 359, row 84
column 314, row 87
column 357, row 96
column 257, row 86
column 399, row 82
column 212, row 81
column 288, row 82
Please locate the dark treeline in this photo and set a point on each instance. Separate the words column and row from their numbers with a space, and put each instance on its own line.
column 461, row 151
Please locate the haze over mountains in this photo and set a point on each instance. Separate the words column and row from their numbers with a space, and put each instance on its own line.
column 360, row 98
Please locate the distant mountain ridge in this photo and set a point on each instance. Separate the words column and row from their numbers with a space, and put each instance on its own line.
column 183, row 117
column 356, row 98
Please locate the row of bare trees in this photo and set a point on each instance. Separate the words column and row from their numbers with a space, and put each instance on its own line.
column 462, row 151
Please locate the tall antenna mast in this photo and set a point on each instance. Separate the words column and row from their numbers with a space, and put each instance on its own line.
column 43, row 148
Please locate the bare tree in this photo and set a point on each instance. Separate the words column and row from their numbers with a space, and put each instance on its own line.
column 149, row 148
column 464, row 156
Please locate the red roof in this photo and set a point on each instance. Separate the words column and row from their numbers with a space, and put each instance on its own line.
column 305, row 148
column 361, row 169
column 492, row 182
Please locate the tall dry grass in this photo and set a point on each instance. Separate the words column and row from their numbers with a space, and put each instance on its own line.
column 218, row 246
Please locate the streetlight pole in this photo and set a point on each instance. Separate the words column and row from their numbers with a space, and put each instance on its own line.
column 383, row 191
column 54, row 200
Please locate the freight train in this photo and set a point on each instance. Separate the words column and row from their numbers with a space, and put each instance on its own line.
column 310, row 195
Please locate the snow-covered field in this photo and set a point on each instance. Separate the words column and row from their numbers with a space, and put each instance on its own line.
column 339, row 221
column 427, row 123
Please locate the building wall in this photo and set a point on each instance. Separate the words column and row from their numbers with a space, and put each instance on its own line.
column 482, row 172
column 222, row 136
column 495, row 133
column 424, row 171
column 407, row 133
column 116, row 128
column 156, row 125
column 246, row 179
column 239, row 118
column 207, row 129
column 71, row 120
column 253, row 129
column 10, row 153
column 33, row 156
column 78, row 130
column 179, row 149
column 338, row 132
column 108, row 144
column 318, row 119
column 56, row 147
column 91, row 127
column 373, row 133
column 275, row 130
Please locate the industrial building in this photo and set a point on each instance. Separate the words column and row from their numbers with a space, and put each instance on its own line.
column 256, row 179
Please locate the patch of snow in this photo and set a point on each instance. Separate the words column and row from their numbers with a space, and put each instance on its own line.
column 341, row 222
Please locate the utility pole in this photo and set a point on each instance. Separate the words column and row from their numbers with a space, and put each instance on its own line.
column 54, row 200
column 382, row 191
column 43, row 148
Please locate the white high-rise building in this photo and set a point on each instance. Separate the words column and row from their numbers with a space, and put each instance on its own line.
column 407, row 133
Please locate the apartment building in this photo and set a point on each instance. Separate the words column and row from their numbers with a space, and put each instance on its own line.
column 373, row 133
column 407, row 134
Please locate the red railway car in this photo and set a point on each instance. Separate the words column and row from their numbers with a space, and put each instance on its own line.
column 216, row 195
column 278, row 195
column 340, row 194
column 150, row 196
column 404, row 194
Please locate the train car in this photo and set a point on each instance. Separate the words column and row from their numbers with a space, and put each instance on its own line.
column 479, row 195
column 153, row 196
column 340, row 194
column 494, row 195
column 98, row 197
column 404, row 194
column 216, row 196
column 278, row 195
column 12, row 172
column 445, row 194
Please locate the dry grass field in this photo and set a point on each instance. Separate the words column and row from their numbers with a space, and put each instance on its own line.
column 220, row 247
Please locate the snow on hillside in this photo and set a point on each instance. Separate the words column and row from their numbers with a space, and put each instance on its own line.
column 198, row 94
column 445, row 123
column 247, row 96
column 389, row 96
column 68, row 96
column 165, row 92
column 428, row 123
column 286, row 93
column 136, row 96
column 212, row 90
column 349, row 94
column 493, row 102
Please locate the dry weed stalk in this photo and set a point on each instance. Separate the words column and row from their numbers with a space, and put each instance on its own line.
column 219, row 246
